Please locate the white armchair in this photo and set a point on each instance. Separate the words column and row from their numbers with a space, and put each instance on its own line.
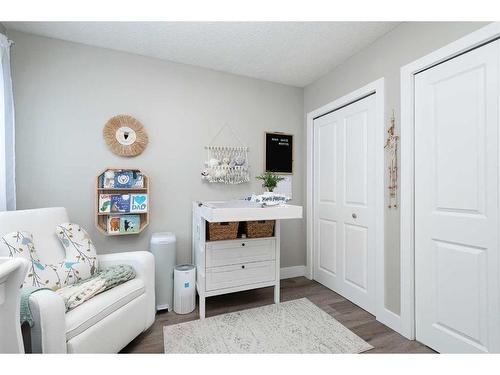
column 104, row 324
column 12, row 274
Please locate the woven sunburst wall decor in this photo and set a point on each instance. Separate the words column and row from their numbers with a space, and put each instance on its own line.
column 125, row 135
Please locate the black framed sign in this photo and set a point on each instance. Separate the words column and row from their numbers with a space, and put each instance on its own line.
column 279, row 153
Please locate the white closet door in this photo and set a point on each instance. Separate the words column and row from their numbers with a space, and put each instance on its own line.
column 344, row 202
column 456, row 203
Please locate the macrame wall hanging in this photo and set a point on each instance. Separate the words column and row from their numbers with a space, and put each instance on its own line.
column 226, row 164
column 391, row 147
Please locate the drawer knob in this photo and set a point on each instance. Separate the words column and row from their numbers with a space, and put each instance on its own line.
column 243, row 266
column 243, row 244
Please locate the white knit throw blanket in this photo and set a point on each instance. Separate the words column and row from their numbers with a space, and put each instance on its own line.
column 76, row 294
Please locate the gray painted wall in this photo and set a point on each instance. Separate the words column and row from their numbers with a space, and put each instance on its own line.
column 65, row 92
column 384, row 58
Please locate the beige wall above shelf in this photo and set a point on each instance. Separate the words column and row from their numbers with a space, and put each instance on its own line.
column 153, row 95
column 101, row 218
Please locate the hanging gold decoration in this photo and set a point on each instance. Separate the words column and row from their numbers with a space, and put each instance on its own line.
column 125, row 135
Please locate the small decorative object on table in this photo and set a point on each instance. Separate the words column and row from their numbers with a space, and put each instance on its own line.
column 269, row 180
column 269, row 199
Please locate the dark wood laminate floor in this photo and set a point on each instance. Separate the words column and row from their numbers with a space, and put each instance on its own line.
column 382, row 338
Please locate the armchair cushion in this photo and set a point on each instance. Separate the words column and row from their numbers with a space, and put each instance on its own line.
column 143, row 263
column 99, row 307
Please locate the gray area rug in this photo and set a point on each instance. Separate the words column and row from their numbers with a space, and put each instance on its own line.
column 296, row 326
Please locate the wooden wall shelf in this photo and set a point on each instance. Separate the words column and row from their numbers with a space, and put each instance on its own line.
column 120, row 190
column 101, row 218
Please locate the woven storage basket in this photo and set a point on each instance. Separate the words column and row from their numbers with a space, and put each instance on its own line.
column 222, row 231
column 261, row 228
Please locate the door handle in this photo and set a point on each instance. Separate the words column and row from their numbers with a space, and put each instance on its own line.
column 354, row 216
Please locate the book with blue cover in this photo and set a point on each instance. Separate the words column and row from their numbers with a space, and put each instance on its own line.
column 120, row 203
column 124, row 179
column 130, row 223
column 128, row 179
column 138, row 180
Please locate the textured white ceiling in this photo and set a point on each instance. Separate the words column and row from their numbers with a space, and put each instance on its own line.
column 292, row 53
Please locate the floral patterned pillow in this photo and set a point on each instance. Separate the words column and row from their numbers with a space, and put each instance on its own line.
column 79, row 264
column 53, row 276
column 79, row 249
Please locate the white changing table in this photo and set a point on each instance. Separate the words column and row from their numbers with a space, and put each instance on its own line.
column 235, row 265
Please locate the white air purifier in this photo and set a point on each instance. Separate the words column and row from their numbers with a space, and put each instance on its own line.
column 184, row 288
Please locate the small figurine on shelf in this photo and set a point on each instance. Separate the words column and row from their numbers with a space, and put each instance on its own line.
column 269, row 180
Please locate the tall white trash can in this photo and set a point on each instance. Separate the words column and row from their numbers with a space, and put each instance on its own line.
column 163, row 248
column 184, row 288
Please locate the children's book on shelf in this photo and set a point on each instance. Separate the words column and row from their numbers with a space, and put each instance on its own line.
column 120, row 203
column 138, row 180
column 113, row 224
column 121, row 179
column 107, row 179
column 128, row 179
column 130, row 223
column 138, row 203
column 124, row 179
column 104, row 203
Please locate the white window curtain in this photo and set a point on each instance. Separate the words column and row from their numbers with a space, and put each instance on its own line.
column 7, row 166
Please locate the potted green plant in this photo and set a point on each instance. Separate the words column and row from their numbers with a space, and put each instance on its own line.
column 269, row 180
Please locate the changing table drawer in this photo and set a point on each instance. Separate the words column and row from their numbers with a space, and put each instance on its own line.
column 225, row 253
column 239, row 275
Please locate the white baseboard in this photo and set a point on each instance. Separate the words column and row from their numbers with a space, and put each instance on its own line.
column 289, row 272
